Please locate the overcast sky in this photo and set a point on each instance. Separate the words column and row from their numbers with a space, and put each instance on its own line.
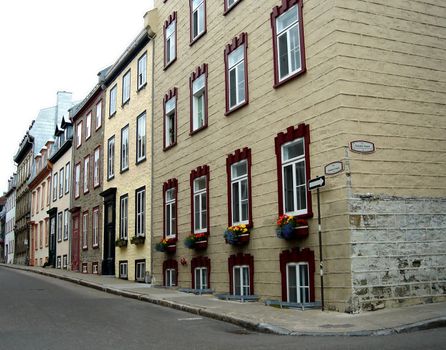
column 52, row 45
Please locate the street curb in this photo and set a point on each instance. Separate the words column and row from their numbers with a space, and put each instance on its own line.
column 259, row 327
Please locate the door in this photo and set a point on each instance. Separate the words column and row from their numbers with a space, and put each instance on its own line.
column 75, row 258
column 108, row 264
column 52, row 242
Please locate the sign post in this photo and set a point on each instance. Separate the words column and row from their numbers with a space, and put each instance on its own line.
column 317, row 183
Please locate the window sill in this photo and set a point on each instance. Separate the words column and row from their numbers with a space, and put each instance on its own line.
column 86, row 192
column 169, row 147
column 96, row 186
column 98, row 127
column 227, row 10
column 234, row 109
column 169, row 64
column 142, row 87
column 112, row 115
column 194, row 40
column 110, row 178
column 141, row 161
column 124, row 170
column 96, row 246
column 84, row 248
column 286, row 80
column 196, row 131
column 125, row 103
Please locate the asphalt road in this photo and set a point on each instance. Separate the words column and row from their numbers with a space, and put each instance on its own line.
column 38, row 312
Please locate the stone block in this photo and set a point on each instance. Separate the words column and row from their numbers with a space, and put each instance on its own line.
column 390, row 276
column 401, row 291
column 385, row 221
column 415, row 234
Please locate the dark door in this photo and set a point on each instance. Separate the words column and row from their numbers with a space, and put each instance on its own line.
column 52, row 242
column 108, row 264
column 75, row 258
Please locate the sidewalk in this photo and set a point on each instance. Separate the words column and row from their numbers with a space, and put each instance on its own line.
column 257, row 316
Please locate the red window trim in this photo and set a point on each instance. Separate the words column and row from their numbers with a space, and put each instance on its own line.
column 85, row 244
column 77, row 127
column 295, row 256
column 203, row 69
column 170, row 264
column 80, row 178
column 195, row 174
column 228, row 9
column 95, row 209
column 293, row 133
column 170, row 94
column 99, row 168
column 200, row 261
column 172, row 183
column 167, row 22
column 276, row 12
column 88, row 180
column 194, row 40
column 237, row 156
column 96, row 115
column 241, row 259
column 236, row 42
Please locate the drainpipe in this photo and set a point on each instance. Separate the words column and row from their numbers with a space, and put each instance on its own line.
column 152, row 152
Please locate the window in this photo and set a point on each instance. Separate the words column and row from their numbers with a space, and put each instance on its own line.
column 238, row 168
column 97, row 153
column 65, row 227
column 142, row 71
column 67, row 178
column 123, row 216
column 77, row 180
column 38, row 200
column 98, row 114
column 86, row 173
column 126, row 88
column 33, row 204
column 59, row 262
column 170, row 277
column 85, row 230
column 298, row 283
column 61, row 181
column 42, row 204
column 241, row 280
column 55, row 185
column 201, row 278
column 65, row 262
column 111, row 158
column 125, row 148
column 41, row 234
column 95, row 268
column 199, row 180
column 199, row 99
column 170, row 40
column 88, row 126
column 288, row 48
column 95, row 227
column 46, row 232
column 140, row 270
column 140, row 214
column 236, row 72
column 241, row 274
column 170, row 119
column 113, row 97
column 197, row 19
column 59, row 226
column 293, row 170
column 79, row 134
column 141, row 138
column 84, row 267
column 123, row 270
column 170, row 208
column 230, row 4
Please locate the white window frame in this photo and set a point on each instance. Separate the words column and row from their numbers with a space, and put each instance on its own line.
column 293, row 162
column 198, row 14
column 199, row 91
column 140, row 270
column 98, row 114
column 140, row 213
column 84, row 267
column 142, row 71
column 85, row 230
column 58, row 262
column 170, row 277
column 111, row 157
column 170, row 208
column 65, row 262
column 170, row 43
column 88, row 126
column 243, row 284
column 238, row 180
column 113, row 99
column 79, row 134
column 170, row 115
column 95, row 268
column 199, row 194
column 141, row 147
column 123, row 269
column 86, row 173
column 95, row 220
column 59, row 226
column 299, row 286
column 230, row 4
column 239, row 66
column 201, row 272
column 67, row 177
column 97, row 155
column 123, row 217
column 124, row 148
column 61, row 181
column 77, row 180
column 55, row 187
column 66, row 223
column 126, row 82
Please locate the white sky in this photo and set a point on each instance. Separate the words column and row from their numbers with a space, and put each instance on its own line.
column 52, row 45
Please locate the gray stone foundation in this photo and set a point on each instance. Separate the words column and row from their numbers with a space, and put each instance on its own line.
column 398, row 251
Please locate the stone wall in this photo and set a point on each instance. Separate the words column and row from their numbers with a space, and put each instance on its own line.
column 398, row 251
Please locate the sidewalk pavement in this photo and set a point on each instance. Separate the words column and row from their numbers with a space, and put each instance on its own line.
column 256, row 316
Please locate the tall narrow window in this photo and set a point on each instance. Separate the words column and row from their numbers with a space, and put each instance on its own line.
column 298, row 286
column 123, row 217
column 286, row 24
column 97, row 154
column 48, row 194
column 140, row 270
column 55, row 186
column 123, row 270
column 199, row 103
column 125, row 148
column 170, row 119
column 88, row 126
column 198, row 19
column 67, row 177
column 170, row 208
column 41, row 235
column 140, row 214
column 59, row 226
column 170, row 41
column 65, row 227
column 126, row 88
column 236, row 73
column 201, row 278
column 86, row 173
column 98, row 114
column 113, row 97
column 230, row 4
column 79, row 134
column 241, row 280
column 42, row 204
column 85, row 230
column 38, row 200
column 61, row 181
column 199, row 180
column 142, row 71
column 77, row 180
column 170, row 277
column 141, row 138
column 95, row 227
column 111, row 158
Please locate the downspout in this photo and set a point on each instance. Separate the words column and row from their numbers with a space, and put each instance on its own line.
column 152, row 153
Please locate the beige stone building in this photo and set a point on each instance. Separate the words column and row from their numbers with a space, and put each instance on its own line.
column 253, row 99
column 127, row 162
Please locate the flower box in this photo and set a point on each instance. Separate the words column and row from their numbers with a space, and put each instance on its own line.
column 237, row 235
column 121, row 242
column 137, row 240
column 167, row 245
column 290, row 228
column 197, row 241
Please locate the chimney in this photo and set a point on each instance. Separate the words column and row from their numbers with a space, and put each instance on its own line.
column 63, row 104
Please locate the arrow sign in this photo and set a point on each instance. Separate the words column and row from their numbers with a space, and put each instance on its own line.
column 316, row 183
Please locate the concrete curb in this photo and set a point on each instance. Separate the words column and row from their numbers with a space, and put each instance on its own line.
column 258, row 327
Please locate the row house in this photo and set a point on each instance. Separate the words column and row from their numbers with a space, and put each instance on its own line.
column 10, row 220
column 248, row 109
column 127, row 166
column 87, row 182
column 2, row 227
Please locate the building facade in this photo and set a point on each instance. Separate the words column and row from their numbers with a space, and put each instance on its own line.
column 87, row 182
column 2, row 227
column 10, row 220
column 127, row 185
column 248, row 111
column 59, row 215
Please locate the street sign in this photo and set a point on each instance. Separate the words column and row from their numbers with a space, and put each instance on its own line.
column 316, row 183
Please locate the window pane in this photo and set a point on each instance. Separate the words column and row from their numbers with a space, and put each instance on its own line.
column 235, row 203
column 293, row 150
column 244, row 198
column 236, row 56
column 303, row 275
column 174, row 229
column 241, row 82
column 237, row 287
column 283, row 55
column 200, row 184
column 195, row 24
column 292, row 284
column 197, row 278
column 286, row 19
column 203, row 211
column 204, row 277
column 246, row 290
column 232, row 88
column 300, row 185
column 288, row 188
column 294, row 48
column 197, row 212
column 239, row 169
column 198, row 83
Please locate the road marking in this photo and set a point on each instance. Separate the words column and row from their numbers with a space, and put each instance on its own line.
column 190, row 319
